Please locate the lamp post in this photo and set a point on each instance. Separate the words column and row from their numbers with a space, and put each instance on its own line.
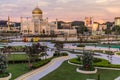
column 109, row 54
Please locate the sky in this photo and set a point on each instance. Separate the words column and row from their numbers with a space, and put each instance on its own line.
column 66, row 10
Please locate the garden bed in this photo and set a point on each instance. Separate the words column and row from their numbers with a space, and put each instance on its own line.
column 100, row 63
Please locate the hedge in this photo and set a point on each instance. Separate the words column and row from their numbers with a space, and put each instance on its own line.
column 57, row 54
column 41, row 63
column 118, row 53
column 81, row 45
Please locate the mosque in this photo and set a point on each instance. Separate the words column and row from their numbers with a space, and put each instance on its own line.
column 38, row 26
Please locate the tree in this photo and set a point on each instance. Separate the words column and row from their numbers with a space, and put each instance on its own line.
column 116, row 29
column 34, row 52
column 3, row 64
column 58, row 46
column 80, row 31
column 108, row 32
column 52, row 34
column 87, row 60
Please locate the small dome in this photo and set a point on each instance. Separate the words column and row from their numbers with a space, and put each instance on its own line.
column 37, row 11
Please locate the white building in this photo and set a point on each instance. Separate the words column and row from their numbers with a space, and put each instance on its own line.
column 98, row 29
column 35, row 26
column 117, row 21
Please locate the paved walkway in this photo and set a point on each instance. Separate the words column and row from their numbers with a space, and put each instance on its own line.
column 55, row 63
column 114, row 59
column 42, row 71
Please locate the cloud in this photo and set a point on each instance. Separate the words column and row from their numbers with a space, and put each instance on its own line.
column 113, row 9
column 64, row 9
column 6, row 9
column 101, row 1
column 58, row 8
column 43, row 3
column 8, row 5
column 64, row 1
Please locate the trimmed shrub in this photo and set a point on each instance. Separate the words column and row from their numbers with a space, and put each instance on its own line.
column 41, row 63
column 81, row 45
column 5, row 74
column 96, row 60
column 64, row 54
column 118, row 53
column 57, row 54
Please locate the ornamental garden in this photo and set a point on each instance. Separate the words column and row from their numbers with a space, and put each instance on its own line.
column 82, row 63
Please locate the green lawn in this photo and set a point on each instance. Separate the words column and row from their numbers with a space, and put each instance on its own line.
column 68, row 72
column 17, row 69
column 17, row 57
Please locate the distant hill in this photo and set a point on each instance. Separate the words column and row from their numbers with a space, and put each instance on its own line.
column 78, row 23
column 3, row 23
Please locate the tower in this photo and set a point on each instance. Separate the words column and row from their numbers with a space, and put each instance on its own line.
column 8, row 23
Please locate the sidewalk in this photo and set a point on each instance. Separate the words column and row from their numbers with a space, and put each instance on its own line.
column 41, row 69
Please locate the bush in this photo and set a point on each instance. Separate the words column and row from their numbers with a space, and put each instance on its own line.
column 96, row 60
column 105, row 52
column 21, row 61
column 99, row 51
column 118, row 53
column 41, row 63
column 57, row 54
column 108, row 52
column 64, row 54
column 5, row 74
column 75, row 60
column 81, row 45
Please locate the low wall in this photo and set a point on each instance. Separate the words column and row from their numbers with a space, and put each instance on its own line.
column 6, row 78
column 86, row 72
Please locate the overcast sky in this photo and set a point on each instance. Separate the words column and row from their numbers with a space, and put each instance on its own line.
column 67, row 10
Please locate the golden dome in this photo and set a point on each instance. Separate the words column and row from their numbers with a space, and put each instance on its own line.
column 37, row 11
